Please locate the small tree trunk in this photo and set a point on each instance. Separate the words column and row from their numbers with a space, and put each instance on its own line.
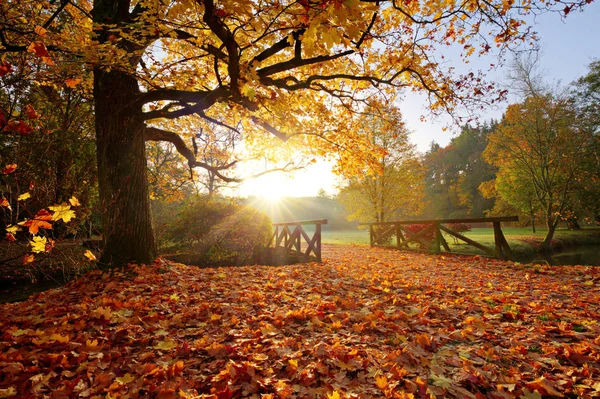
column 546, row 245
column 532, row 217
column 122, row 175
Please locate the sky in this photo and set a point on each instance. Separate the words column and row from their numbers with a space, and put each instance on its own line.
column 568, row 46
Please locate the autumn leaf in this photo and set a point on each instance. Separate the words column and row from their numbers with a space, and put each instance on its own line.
column 40, row 31
column 38, row 244
column 12, row 229
column 530, row 395
column 126, row 379
column 72, row 83
column 34, row 225
column 10, row 237
column 39, row 49
column 4, row 203
column 334, row 395
column 166, row 345
column 5, row 68
column 30, row 112
column 74, row 201
column 23, row 197
column 62, row 212
column 10, row 168
column 7, row 392
column 28, row 258
column 88, row 254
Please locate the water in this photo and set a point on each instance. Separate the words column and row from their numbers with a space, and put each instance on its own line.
column 584, row 255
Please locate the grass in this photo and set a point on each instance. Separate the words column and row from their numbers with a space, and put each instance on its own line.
column 521, row 240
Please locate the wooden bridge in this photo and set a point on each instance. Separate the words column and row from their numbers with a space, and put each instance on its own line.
column 288, row 239
column 401, row 234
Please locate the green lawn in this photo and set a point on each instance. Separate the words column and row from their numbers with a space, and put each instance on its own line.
column 514, row 235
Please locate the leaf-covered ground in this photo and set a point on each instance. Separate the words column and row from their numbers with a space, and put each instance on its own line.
column 366, row 323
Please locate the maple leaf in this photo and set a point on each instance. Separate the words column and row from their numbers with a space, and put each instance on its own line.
column 38, row 244
column 34, row 225
column 10, row 168
column 28, row 258
column 12, row 229
column 10, row 237
column 23, row 197
column 39, row 49
column 88, row 254
column 62, row 212
column 72, row 83
column 40, row 31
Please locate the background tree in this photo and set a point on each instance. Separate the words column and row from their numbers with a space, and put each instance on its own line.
column 295, row 70
column 391, row 187
column 538, row 148
column 454, row 173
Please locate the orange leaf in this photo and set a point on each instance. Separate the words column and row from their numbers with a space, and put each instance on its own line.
column 8, row 169
column 40, row 50
column 72, row 83
column 35, row 225
column 28, row 258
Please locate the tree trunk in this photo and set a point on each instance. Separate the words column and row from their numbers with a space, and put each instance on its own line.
column 573, row 224
column 122, row 175
column 546, row 245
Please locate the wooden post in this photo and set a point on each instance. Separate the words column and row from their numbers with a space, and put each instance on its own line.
column 438, row 238
column 503, row 250
column 317, row 239
column 399, row 237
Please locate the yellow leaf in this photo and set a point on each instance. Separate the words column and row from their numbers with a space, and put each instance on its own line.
column 8, row 392
column 334, row 395
column 166, row 345
column 530, row 395
column 38, row 244
column 23, row 197
column 74, row 201
column 440, row 381
column 88, row 254
column 62, row 211
column 40, row 31
column 126, row 379
column 381, row 382
column 12, row 229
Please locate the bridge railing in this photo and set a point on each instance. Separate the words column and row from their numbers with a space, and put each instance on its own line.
column 292, row 243
column 431, row 236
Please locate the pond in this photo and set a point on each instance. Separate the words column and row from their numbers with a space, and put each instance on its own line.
column 585, row 255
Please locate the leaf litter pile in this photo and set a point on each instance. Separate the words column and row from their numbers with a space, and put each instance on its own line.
column 366, row 323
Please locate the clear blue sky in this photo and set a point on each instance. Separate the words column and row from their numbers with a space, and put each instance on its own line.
column 568, row 46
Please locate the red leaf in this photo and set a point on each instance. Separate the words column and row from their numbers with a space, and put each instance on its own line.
column 30, row 112
column 10, row 168
column 10, row 237
column 5, row 68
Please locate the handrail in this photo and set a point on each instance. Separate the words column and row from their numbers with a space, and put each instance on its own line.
column 288, row 242
column 429, row 221
column 404, row 236
column 302, row 222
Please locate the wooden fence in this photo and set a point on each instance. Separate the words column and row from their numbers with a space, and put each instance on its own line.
column 431, row 237
column 288, row 238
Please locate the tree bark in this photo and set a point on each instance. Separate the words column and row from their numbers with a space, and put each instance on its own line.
column 551, row 223
column 122, row 174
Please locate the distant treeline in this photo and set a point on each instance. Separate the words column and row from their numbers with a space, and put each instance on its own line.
column 305, row 208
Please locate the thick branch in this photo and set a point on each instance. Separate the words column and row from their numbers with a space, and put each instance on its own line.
column 155, row 134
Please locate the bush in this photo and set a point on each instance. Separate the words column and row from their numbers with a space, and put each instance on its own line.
column 214, row 231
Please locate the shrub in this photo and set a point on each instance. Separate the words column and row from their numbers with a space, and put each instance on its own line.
column 215, row 231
